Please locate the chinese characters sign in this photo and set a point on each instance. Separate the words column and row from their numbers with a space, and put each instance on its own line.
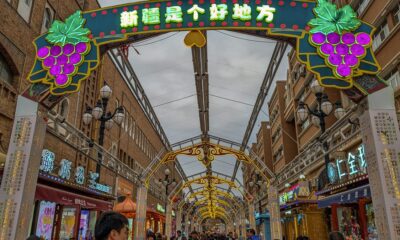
column 312, row 25
column 65, row 169
column 355, row 163
column 216, row 12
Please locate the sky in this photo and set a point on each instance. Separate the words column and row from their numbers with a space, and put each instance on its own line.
column 237, row 64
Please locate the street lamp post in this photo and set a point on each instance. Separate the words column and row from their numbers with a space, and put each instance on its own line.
column 107, row 119
column 166, row 182
column 318, row 115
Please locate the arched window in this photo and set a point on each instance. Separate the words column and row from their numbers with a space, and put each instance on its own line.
column 47, row 19
column 63, row 110
column 5, row 71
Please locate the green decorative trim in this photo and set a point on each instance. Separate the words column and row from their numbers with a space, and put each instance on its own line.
column 330, row 19
column 71, row 31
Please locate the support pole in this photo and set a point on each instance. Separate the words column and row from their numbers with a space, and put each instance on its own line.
column 380, row 132
column 17, row 193
column 141, row 208
column 275, row 217
column 242, row 224
column 179, row 220
column 168, row 220
column 252, row 217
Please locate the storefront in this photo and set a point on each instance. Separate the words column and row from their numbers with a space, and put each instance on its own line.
column 263, row 225
column 66, row 207
column 347, row 200
column 300, row 215
column 156, row 218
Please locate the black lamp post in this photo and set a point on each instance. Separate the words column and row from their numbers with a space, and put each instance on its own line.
column 107, row 119
column 318, row 115
column 167, row 181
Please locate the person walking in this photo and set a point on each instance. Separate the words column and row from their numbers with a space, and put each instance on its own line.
column 111, row 226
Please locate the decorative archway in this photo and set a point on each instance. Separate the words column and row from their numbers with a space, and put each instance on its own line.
column 332, row 42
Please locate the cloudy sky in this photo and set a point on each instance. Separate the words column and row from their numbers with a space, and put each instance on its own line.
column 237, row 65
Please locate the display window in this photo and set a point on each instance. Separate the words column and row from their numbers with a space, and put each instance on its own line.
column 67, row 223
column 84, row 225
column 348, row 222
column 45, row 220
column 372, row 231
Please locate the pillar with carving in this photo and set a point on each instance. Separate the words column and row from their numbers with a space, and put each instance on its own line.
column 275, row 217
column 141, row 208
column 381, row 139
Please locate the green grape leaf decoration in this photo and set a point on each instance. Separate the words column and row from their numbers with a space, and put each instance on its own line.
column 330, row 19
column 72, row 31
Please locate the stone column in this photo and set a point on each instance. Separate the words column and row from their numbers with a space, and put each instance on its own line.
column 21, row 171
column 187, row 219
column 179, row 220
column 275, row 216
column 168, row 220
column 141, row 208
column 252, row 217
column 381, row 139
column 243, row 223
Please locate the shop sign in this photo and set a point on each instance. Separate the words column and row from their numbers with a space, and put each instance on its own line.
column 47, row 166
column 47, row 163
column 95, row 185
column 354, row 164
column 65, row 169
column 160, row 208
column 80, row 175
column 289, row 195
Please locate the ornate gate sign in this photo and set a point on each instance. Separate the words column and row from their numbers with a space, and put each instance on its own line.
column 332, row 42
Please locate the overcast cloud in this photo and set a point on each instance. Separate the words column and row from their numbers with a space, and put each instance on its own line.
column 236, row 70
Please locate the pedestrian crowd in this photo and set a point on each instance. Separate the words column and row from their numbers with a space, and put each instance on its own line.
column 114, row 226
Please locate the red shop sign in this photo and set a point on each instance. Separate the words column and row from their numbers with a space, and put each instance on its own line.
column 66, row 198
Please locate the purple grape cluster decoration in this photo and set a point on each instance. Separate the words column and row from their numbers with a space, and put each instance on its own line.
column 69, row 43
column 333, row 35
column 63, row 61
column 342, row 52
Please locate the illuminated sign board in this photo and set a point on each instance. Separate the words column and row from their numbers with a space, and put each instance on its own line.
column 64, row 172
column 354, row 164
column 338, row 51
column 160, row 208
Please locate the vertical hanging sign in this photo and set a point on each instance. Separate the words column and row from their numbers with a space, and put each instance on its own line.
column 21, row 171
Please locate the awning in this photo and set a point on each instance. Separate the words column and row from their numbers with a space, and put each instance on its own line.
column 51, row 194
column 350, row 196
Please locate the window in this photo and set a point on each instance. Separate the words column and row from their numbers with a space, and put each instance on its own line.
column 394, row 79
column 5, row 72
column 362, row 5
column 63, row 110
column 24, row 9
column 396, row 14
column 47, row 18
column 131, row 125
column 305, row 124
column 382, row 32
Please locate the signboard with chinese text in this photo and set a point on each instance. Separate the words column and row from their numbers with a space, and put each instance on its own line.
column 65, row 169
column 354, row 164
column 75, row 43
